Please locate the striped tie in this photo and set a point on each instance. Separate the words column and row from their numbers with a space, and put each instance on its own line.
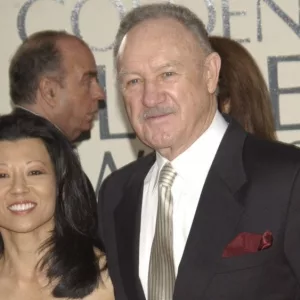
column 161, row 276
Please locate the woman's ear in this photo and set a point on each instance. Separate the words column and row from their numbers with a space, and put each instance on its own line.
column 225, row 106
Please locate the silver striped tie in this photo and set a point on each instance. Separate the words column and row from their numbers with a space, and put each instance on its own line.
column 161, row 276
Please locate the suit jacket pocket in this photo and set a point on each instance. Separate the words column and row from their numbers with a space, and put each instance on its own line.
column 245, row 261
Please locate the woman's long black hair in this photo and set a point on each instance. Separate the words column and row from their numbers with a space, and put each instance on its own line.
column 70, row 260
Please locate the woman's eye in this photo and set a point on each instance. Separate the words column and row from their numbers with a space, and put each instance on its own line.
column 35, row 172
column 3, row 175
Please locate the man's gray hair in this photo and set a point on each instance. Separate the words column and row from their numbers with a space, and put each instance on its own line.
column 163, row 10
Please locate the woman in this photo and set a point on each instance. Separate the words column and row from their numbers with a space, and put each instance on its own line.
column 47, row 249
column 243, row 92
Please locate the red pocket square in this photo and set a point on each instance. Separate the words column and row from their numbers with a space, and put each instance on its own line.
column 247, row 242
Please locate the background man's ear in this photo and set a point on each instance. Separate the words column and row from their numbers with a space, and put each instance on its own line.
column 48, row 89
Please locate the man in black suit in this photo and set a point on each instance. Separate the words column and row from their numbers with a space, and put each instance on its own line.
column 214, row 213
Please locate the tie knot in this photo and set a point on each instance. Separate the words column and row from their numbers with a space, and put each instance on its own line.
column 167, row 175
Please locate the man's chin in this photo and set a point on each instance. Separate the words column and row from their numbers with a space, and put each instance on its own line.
column 84, row 135
column 159, row 144
column 87, row 126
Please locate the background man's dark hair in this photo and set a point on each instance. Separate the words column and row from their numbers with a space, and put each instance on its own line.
column 37, row 56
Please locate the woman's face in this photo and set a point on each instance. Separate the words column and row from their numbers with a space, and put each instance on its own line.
column 27, row 186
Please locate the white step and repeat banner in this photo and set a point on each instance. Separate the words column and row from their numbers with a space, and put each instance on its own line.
column 269, row 29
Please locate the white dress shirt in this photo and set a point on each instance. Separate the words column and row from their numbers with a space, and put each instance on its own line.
column 192, row 167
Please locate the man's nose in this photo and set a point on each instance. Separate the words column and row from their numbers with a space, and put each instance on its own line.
column 99, row 93
column 151, row 95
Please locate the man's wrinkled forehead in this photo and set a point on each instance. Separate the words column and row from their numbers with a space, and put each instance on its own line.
column 159, row 35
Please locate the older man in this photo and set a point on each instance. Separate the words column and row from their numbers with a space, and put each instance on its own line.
column 215, row 212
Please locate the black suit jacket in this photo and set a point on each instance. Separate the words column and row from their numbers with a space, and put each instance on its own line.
column 252, row 186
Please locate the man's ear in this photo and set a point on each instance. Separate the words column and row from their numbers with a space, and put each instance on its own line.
column 48, row 89
column 212, row 70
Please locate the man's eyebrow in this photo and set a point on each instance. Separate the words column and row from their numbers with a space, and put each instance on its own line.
column 124, row 72
column 168, row 65
column 91, row 74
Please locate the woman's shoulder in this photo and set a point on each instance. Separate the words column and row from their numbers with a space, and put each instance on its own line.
column 105, row 290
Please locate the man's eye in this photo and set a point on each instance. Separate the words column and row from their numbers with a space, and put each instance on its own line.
column 133, row 81
column 168, row 74
column 3, row 175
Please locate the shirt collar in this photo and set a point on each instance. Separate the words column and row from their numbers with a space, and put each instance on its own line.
column 199, row 156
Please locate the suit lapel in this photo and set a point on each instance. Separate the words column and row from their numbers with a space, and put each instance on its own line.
column 217, row 215
column 127, row 226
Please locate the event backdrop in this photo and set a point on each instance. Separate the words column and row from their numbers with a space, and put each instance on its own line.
column 269, row 29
